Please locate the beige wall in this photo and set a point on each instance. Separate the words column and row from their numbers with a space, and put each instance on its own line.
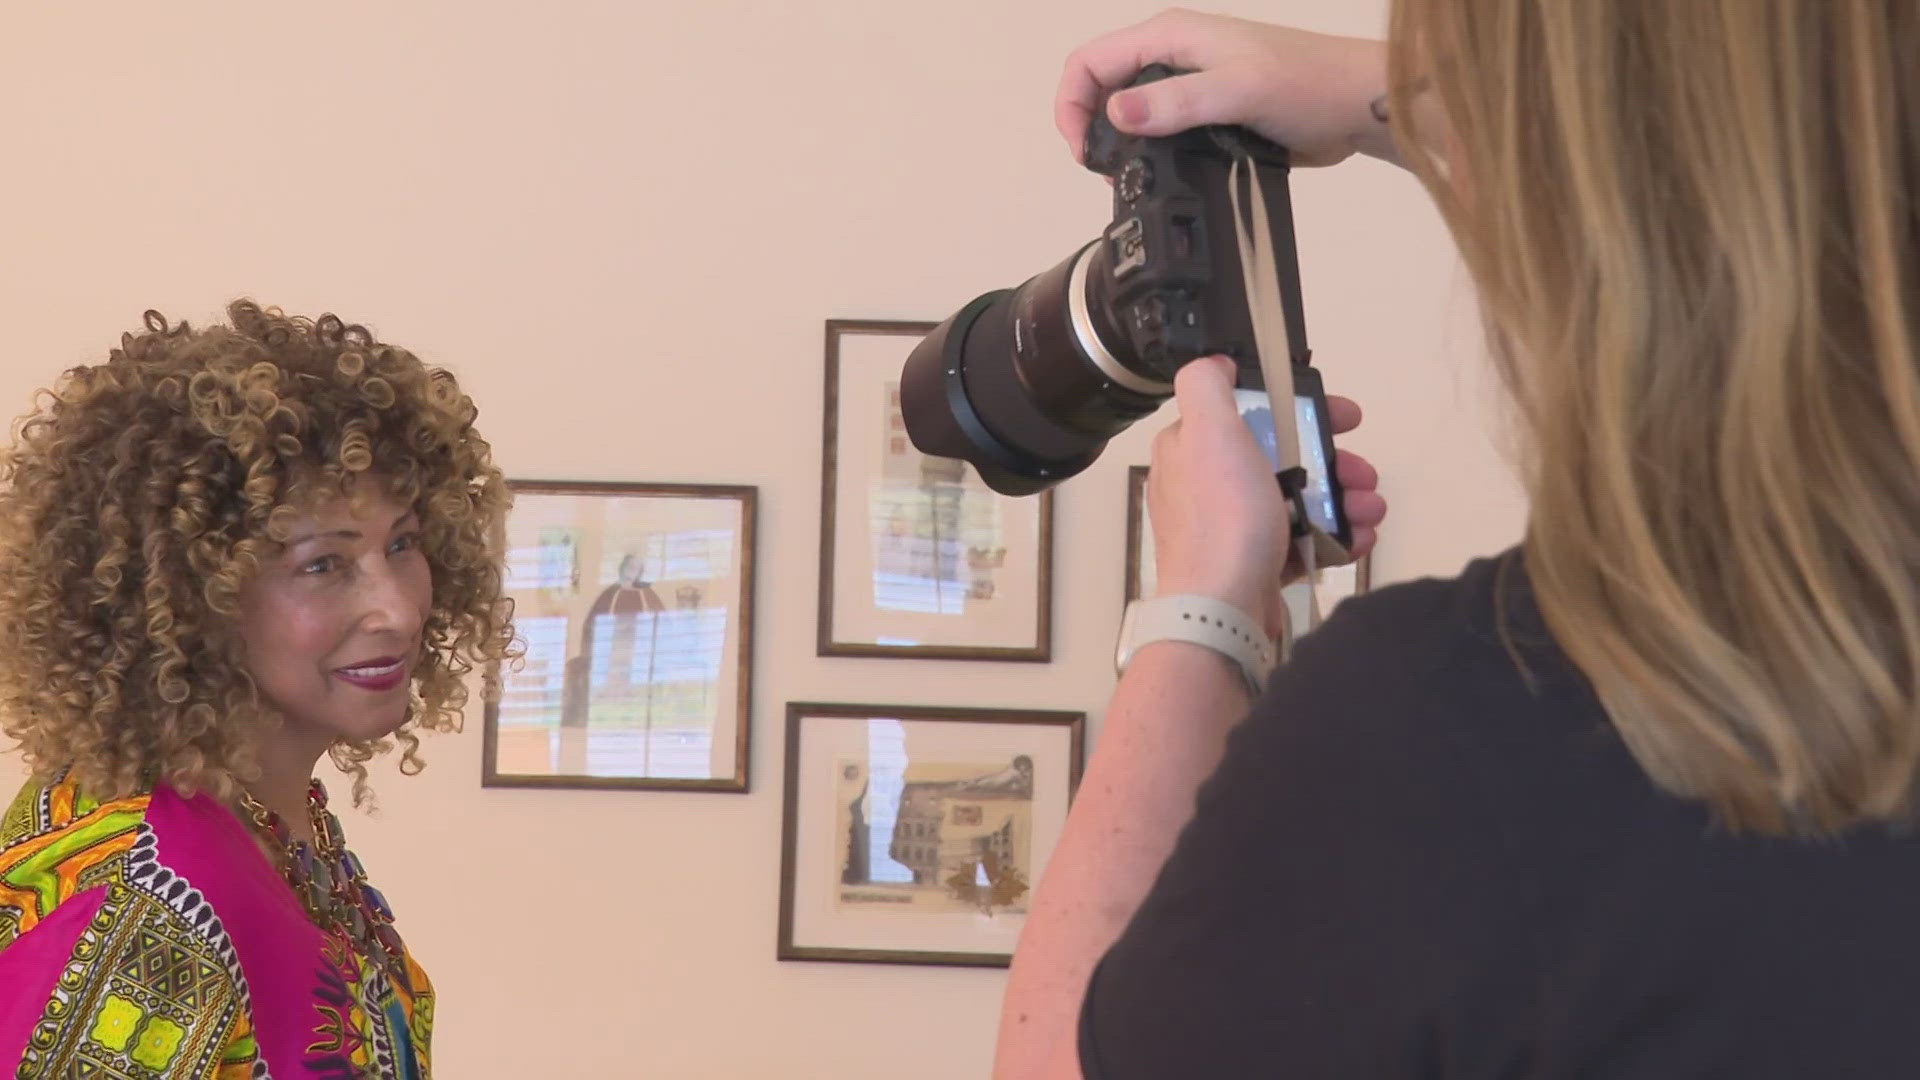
column 631, row 219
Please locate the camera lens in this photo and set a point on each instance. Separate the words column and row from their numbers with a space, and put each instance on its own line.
column 1028, row 384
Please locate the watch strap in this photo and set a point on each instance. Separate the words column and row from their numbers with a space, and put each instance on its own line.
column 1200, row 620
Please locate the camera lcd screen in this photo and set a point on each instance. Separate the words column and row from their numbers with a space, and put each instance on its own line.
column 1258, row 415
column 1319, row 498
column 1313, row 456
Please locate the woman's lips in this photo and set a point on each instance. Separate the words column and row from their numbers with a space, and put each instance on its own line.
column 386, row 673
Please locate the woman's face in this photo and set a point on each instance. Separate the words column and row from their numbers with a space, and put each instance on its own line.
column 331, row 626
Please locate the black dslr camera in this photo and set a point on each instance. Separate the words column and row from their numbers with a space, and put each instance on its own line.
column 1028, row 384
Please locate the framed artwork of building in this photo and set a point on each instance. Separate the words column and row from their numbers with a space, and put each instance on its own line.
column 918, row 557
column 1336, row 582
column 914, row 834
column 634, row 603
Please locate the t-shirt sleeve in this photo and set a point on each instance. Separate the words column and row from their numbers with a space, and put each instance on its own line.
column 135, row 992
column 31, row 963
column 1326, row 888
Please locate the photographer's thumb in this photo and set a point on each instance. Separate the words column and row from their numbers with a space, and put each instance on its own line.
column 1171, row 106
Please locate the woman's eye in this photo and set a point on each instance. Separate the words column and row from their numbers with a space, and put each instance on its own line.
column 409, row 542
column 323, row 565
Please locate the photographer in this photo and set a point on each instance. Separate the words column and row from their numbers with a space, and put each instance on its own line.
column 1633, row 800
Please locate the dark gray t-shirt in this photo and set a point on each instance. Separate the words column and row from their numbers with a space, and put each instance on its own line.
column 1417, row 862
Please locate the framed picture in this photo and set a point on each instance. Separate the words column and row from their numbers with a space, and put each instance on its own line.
column 918, row 557
column 1336, row 582
column 914, row 835
column 635, row 605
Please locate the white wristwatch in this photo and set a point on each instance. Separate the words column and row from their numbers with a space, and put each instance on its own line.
column 1204, row 621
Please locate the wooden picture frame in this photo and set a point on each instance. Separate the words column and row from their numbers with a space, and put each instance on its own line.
column 914, row 834
column 919, row 559
column 634, row 602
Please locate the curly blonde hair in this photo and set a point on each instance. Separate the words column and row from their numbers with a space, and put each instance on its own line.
column 140, row 495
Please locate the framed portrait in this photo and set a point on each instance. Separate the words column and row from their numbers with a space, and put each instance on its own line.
column 918, row 557
column 1336, row 582
column 634, row 603
column 914, row 835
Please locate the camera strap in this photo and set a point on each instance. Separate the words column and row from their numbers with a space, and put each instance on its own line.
column 1279, row 333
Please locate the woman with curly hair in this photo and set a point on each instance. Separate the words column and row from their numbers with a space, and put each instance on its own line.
column 224, row 554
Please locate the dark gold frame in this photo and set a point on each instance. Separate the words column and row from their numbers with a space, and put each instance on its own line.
column 1136, row 520
column 797, row 712
column 1042, row 649
column 748, row 497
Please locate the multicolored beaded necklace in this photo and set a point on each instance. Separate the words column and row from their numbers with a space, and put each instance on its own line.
column 331, row 883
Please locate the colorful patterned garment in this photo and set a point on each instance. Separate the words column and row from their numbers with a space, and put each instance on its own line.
column 149, row 937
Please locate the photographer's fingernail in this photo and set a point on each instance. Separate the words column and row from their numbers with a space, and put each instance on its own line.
column 1129, row 108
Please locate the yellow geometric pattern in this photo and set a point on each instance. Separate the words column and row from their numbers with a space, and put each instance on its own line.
column 143, row 994
column 161, row 1004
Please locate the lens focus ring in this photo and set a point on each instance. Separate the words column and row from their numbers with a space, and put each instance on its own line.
column 1089, row 339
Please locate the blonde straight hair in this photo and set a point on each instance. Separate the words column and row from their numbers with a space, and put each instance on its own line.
column 1693, row 227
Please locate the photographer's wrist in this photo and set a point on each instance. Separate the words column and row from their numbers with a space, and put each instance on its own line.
column 1369, row 130
column 1193, row 659
column 1203, row 622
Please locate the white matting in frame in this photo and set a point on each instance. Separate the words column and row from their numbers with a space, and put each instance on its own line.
column 1337, row 583
column 634, row 603
column 915, row 834
column 918, row 557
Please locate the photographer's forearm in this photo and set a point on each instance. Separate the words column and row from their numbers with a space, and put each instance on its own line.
column 1164, row 732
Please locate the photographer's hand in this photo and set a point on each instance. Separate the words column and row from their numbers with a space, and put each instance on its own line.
column 1219, row 524
column 1312, row 93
